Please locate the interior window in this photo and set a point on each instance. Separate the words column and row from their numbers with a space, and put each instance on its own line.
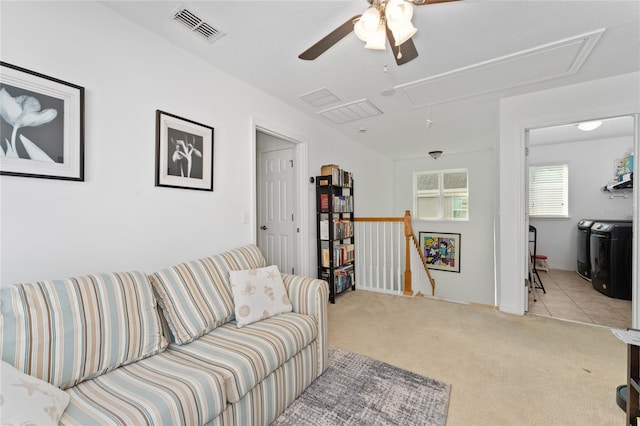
column 549, row 190
column 441, row 195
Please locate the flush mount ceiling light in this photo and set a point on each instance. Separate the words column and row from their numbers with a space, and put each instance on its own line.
column 383, row 20
column 587, row 126
column 435, row 154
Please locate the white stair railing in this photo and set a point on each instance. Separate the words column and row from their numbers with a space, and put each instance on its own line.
column 380, row 255
column 387, row 252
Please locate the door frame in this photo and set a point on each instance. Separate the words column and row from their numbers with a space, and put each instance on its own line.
column 301, row 208
column 512, row 255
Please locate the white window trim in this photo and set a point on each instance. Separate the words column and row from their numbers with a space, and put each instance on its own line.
column 548, row 216
column 440, row 196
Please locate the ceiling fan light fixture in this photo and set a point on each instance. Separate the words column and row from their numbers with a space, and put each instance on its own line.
column 398, row 13
column 367, row 26
column 378, row 40
column 403, row 34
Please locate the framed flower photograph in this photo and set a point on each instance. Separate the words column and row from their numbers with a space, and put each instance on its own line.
column 441, row 250
column 184, row 153
column 41, row 125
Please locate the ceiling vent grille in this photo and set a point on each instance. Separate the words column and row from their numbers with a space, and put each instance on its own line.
column 352, row 111
column 191, row 21
column 319, row 98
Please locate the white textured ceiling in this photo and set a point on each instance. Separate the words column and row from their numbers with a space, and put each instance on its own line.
column 477, row 45
column 614, row 127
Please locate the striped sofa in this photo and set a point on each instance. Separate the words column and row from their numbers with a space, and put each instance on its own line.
column 164, row 348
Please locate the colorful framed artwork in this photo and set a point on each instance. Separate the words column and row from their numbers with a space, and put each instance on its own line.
column 184, row 153
column 41, row 125
column 441, row 250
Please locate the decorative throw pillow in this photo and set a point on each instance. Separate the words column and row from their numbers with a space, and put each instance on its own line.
column 67, row 331
column 258, row 294
column 26, row 400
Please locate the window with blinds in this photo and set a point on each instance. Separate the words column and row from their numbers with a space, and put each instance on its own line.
column 549, row 190
column 442, row 194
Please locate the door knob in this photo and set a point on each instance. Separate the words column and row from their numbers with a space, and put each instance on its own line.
column 263, row 227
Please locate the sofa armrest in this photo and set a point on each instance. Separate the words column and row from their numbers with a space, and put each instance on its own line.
column 310, row 296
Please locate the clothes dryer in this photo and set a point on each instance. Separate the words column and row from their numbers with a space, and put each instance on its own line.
column 611, row 258
column 584, row 252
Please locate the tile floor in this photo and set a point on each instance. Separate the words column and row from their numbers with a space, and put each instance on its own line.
column 573, row 298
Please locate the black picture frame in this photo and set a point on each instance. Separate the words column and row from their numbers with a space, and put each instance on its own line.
column 441, row 250
column 184, row 153
column 41, row 125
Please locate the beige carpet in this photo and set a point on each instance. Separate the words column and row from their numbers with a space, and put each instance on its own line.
column 504, row 369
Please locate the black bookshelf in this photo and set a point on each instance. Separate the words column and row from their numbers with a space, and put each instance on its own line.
column 335, row 231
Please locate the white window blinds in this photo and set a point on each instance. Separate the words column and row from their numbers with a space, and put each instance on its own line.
column 454, row 183
column 549, row 190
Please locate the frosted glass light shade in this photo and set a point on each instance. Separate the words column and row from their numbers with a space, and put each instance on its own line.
column 588, row 126
column 403, row 34
column 398, row 14
column 378, row 40
column 368, row 24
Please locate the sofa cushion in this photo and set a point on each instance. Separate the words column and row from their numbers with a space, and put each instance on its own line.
column 196, row 297
column 266, row 401
column 159, row 390
column 26, row 400
column 67, row 331
column 245, row 356
column 258, row 294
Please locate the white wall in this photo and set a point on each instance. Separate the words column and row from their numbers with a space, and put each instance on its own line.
column 117, row 219
column 609, row 97
column 590, row 168
column 475, row 282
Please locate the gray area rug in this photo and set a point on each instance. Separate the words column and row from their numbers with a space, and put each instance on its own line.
column 358, row 390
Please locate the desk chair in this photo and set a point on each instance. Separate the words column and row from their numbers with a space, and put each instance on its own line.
column 533, row 253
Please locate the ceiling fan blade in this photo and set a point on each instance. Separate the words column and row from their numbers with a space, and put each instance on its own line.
column 428, row 2
column 404, row 53
column 329, row 40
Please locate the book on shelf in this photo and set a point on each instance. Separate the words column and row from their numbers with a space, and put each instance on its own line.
column 324, row 229
column 343, row 278
column 324, row 201
column 342, row 229
column 343, row 203
column 328, row 169
column 326, row 262
column 343, row 253
column 339, row 177
column 347, row 179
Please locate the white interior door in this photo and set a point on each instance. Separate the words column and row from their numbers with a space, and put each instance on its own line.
column 276, row 221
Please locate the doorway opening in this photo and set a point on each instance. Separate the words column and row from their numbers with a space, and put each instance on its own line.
column 595, row 161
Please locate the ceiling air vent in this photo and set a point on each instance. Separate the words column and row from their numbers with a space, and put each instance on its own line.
column 320, row 97
column 351, row 111
column 197, row 25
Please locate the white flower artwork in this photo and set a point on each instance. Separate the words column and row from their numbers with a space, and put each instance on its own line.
column 184, row 153
column 23, row 111
column 41, row 125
